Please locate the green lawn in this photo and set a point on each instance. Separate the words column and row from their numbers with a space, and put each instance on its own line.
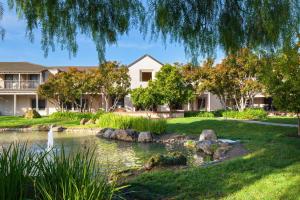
column 283, row 120
column 270, row 171
column 13, row 122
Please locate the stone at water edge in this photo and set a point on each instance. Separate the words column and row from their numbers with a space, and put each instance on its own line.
column 43, row 128
column 208, row 134
column 57, row 129
column 107, row 133
column 207, row 146
column 145, row 137
column 126, row 135
column 83, row 121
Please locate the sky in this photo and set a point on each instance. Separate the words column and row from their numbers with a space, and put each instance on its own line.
column 16, row 47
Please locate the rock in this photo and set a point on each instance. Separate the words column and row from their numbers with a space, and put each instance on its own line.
column 57, row 129
column 126, row 135
column 83, row 121
column 42, row 128
column 190, row 144
column 108, row 133
column 220, row 153
column 208, row 134
column 171, row 159
column 31, row 114
column 145, row 137
column 91, row 121
column 207, row 146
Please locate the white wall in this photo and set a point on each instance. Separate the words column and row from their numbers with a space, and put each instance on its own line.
column 6, row 104
column 147, row 64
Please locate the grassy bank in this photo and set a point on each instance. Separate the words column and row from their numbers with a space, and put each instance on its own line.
column 20, row 122
column 270, row 171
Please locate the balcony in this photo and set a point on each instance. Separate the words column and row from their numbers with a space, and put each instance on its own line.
column 19, row 85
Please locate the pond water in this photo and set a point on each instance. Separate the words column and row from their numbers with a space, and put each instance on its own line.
column 115, row 154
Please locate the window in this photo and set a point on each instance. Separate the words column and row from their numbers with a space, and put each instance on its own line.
column 42, row 104
column 201, row 103
column 146, row 76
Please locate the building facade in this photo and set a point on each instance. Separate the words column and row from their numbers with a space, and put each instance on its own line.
column 19, row 82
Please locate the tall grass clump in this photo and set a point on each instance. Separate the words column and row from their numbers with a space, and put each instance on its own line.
column 71, row 115
column 51, row 175
column 250, row 113
column 156, row 126
column 72, row 177
column 18, row 166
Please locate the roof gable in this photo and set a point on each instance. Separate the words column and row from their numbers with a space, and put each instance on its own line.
column 141, row 58
column 20, row 67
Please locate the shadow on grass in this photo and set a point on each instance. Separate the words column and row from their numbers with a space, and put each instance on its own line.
column 272, row 153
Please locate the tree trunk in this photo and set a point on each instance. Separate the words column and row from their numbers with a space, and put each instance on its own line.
column 298, row 116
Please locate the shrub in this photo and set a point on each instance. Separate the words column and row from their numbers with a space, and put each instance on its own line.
column 156, row 126
column 199, row 114
column 31, row 114
column 51, row 175
column 249, row 113
column 171, row 159
column 71, row 115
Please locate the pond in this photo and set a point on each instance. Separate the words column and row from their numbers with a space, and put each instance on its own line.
column 115, row 154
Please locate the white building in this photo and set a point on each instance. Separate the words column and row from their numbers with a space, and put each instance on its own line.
column 19, row 82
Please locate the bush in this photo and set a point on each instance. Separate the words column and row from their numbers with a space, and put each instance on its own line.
column 31, row 114
column 51, row 175
column 171, row 159
column 71, row 115
column 199, row 114
column 249, row 113
column 156, row 126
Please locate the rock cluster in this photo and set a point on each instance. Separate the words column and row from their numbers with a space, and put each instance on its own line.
column 209, row 147
column 128, row 135
column 170, row 159
column 85, row 121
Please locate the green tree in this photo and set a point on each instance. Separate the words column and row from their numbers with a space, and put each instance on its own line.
column 115, row 83
column 200, row 26
column 2, row 31
column 146, row 98
column 243, row 68
column 281, row 75
column 172, row 86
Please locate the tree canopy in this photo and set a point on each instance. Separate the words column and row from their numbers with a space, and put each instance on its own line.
column 201, row 26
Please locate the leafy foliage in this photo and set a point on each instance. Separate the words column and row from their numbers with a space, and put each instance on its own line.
column 281, row 75
column 71, row 115
column 137, row 123
column 200, row 26
column 31, row 114
column 199, row 114
column 51, row 175
column 249, row 113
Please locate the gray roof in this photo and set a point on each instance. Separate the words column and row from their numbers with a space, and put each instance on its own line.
column 146, row 55
column 20, row 67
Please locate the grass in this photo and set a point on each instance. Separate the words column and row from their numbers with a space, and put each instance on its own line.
column 282, row 120
column 137, row 123
column 51, row 175
column 270, row 171
column 21, row 122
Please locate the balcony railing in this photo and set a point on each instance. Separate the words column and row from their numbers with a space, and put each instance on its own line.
column 19, row 85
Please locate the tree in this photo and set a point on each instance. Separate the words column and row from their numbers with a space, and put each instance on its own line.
column 281, row 75
column 200, row 26
column 2, row 31
column 242, row 69
column 217, row 81
column 146, row 98
column 170, row 83
column 115, row 83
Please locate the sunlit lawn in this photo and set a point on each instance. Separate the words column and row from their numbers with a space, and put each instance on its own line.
column 11, row 121
column 270, row 171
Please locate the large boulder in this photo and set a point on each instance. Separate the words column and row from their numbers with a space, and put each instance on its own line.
column 108, row 133
column 83, row 121
column 31, row 114
column 207, row 146
column 145, row 137
column 126, row 135
column 208, row 134
column 91, row 121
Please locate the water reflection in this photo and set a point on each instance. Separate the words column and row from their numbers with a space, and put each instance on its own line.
column 112, row 154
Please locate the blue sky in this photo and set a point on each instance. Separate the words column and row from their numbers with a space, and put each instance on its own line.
column 17, row 47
